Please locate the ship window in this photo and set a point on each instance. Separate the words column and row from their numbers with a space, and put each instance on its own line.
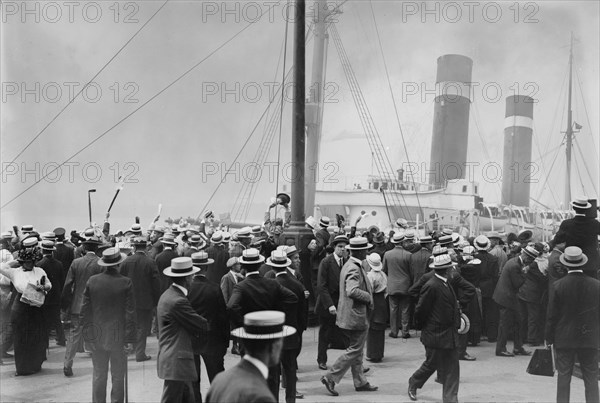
column 465, row 189
column 475, row 189
column 375, row 185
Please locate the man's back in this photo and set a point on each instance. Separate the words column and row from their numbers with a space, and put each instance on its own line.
column 241, row 384
column 143, row 273
column 163, row 260
column 418, row 263
column 511, row 279
column 207, row 300
column 80, row 272
column 583, row 232
column 218, row 269
column 396, row 264
column 54, row 271
column 65, row 253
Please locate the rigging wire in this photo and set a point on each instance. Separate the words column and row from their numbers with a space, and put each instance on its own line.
column 99, row 137
column 591, row 178
column 561, row 94
column 537, row 143
column 579, row 176
column 587, row 116
column 86, row 85
column 549, row 171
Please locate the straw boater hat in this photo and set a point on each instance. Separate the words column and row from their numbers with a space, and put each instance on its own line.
column 311, row 222
column 27, row 228
column 251, row 256
column 195, row 239
column 168, row 239
column 256, row 230
column 48, row 245
column 468, row 250
column 579, row 203
column 217, row 238
column 340, row 238
column 447, row 231
column 426, row 239
column 442, row 262
column 494, row 235
column 482, row 242
column 573, row 257
column 278, row 259
column 409, row 234
column 159, row 229
column 324, row 222
column 465, row 324
column 530, row 251
column 439, row 250
column 181, row 267
column 374, row 260
column 135, row 229
column 397, row 238
column 244, row 233
column 111, row 257
column 93, row 240
column 50, row 236
column 263, row 325
column 358, row 243
column 209, row 214
column 226, row 237
column 201, row 259
column 445, row 240
column 402, row 223
column 139, row 241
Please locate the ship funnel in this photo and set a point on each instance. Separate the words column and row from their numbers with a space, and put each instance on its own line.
column 517, row 169
column 451, row 119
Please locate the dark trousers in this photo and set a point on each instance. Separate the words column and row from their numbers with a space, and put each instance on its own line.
column 531, row 326
column 177, row 391
column 327, row 327
column 462, row 344
column 491, row 316
column 273, row 380
column 214, row 364
column 400, row 313
column 510, row 321
column 375, row 344
column 144, row 324
column 289, row 366
column 100, row 360
column 588, row 360
column 52, row 318
column 444, row 361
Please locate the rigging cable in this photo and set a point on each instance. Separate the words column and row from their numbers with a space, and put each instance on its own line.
column 587, row 116
column 586, row 165
column 86, row 85
column 99, row 137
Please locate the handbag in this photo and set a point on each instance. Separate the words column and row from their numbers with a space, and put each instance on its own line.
column 542, row 362
column 31, row 296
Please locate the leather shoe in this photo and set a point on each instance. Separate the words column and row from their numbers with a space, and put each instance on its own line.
column 367, row 387
column 6, row 355
column 323, row 366
column 521, row 352
column 366, row 369
column 467, row 357
column 142, row 359
column 406, row 336
column 299, row 395
column 68, row 371
column 330, row 385
column 412, row 392
column 393, row 335
column 504, row 354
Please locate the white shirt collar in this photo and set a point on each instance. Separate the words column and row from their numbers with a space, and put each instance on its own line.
column 251, row 273
column 280, row 273
column 579, row 215
column 183, row 289
column 444, row 279
column 264, row 370
column 292, row 271
column 575, row 271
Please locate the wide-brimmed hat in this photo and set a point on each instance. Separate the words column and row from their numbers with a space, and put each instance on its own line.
column 374, row 260
column 88, row 233
column 226, row 237
column 194, row 239
column 93, row 240
column 49, row 235
column 379, row 238
column 201, row 259
column 278, row 259
column 447, row 231
column 263, row 325
column 232, row 261
column 251, row 256
column 439, row 250
column 409, row 234
column 580, row 203
column 168, row 239
column 285, row 198
column 6, row 235
column 48, row 245
column 181, row 267
column 358, row 243
column 525, row 235
column 402, row 223
column 311, row 222
column 530, row 251
column 27, row 228
column 111, row 257
column 255, row 230
column 290, row 250
column 135, row 229
column 217, row 237
column 340, row 238
column 139, row 241
column 493, row 235
column 465, row 324
column 468, row 250
column 324, row 222
column 244, row 233
column 442, row 262
column 445, row 240
column 398, row 237
column 574, row 257
column 426, row 239
column 482, row 242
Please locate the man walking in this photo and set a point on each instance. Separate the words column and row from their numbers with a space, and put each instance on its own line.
column 396, row 264
column 108, row 315
column 354, row 308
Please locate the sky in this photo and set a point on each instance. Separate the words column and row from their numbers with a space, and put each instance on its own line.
column 173, row 140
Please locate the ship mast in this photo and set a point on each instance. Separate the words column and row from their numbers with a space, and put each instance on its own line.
column 569, row 132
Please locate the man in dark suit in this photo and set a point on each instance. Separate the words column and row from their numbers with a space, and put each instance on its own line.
column 582, row 231
column 490, row 272
column 229, row 281
column 51, row 307
column 556, row 270
column 178, row 324
column 65, row 252
column 108, row 314
column 163, row 260
column 511, row 279
column 155, row 246
column 207, row 300
column 262, row 335
column 257, row 293
column 220, row 255
column 143, row 273
column 419, row 260
column 328, row 295
column 438, row 316
column 573, row 326
column 317, row 248
column 294, row 318
column 72, row 296
column 396, row 264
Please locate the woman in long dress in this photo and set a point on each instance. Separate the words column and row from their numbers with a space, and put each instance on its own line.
column 27, row 320
column 376, row 335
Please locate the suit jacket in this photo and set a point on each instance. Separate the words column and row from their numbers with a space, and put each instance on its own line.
column 218, row 269
column 241, row 384
column 177, row 324
column 437, row 315
column 396, row 264
column 108, row 311
column 535, row 285
column 298, row 317
column 163, row 260
column 322, row 238
column 227, row 284
column 556, row 270
column 574, row 313
column 207, row 300
column 65, row 253
column 490, row 272
column 257, row 293
column 463, row 290
column 328, row 285
column 419, row 262
column 582, row 232
column 356, row 300
column 143, row 272
column 511, row 279
column 155, row 249
column 54, row 271
column 499, row 254
column 79, row 273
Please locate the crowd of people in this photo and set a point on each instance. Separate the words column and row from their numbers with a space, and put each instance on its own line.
column 202, row 289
